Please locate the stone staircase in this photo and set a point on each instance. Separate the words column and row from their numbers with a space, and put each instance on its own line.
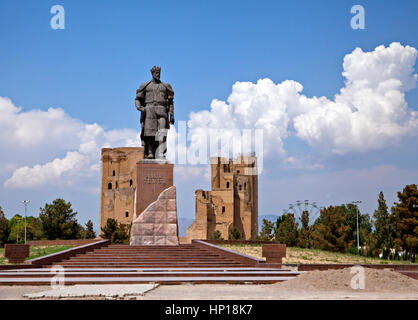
column 123, row 256
column 123, row 264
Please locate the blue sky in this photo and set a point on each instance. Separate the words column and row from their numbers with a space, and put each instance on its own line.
column 92, row 69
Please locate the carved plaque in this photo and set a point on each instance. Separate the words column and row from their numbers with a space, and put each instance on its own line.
column 152, row 179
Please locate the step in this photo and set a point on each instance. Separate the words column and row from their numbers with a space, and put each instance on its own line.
column 227, row 269
column 136, row 280
column 149, row 263
column 145, row 266
column 148, row 257
column 163, row 274
column 205, row 259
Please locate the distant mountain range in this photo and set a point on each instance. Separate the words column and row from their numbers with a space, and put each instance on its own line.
column 184, row 223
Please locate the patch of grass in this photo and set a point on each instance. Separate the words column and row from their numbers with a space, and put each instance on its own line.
column 304, row 256
column 3, row 260
column 36, row 252
column 40, row 251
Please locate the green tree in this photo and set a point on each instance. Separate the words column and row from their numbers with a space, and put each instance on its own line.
column 121, row 234
column 405, row 213
column 279, row 220
column 267, row 228
column 383, row 233
column 90, row 234
column 287, row 231
column 304, row 234
column 58, row 221
column 234, row 234
column 81, row 232
column 350, row 212
column 116, row 232
column 217, row 235
column 34, row 228
column 109, row 229
column 330, row 231
column 17, row 229
column 4, row 228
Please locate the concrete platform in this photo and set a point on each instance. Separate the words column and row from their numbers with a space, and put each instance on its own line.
column 83, row 291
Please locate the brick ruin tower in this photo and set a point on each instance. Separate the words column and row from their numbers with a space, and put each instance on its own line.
column 139, row 192
column 118, row 183
column 232, row 202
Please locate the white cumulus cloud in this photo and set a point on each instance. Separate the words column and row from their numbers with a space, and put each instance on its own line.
column 369, row 113
column 53, row 131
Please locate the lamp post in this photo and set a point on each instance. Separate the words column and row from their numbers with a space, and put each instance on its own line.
column 25, row 203
column 358, row 238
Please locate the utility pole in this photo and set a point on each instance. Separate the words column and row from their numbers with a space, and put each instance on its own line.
column 25, row 203
column 358, row 236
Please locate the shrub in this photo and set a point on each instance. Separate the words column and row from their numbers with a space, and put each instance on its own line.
column 234, row 234
column 217, row 235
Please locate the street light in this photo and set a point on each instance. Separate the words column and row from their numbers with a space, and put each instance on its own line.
column 358, row 239
column 25, row 203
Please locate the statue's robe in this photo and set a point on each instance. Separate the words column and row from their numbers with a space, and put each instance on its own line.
column 156, row 98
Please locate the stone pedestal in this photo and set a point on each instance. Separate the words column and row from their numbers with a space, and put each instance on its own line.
column 16, row 253
column 274, row 253
column 153, row 177
column 155, row 219
column 157, row 224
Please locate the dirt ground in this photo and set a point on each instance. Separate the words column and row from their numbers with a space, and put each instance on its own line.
column 352, row 280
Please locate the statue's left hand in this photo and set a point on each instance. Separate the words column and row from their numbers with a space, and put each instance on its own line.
column 171, row 118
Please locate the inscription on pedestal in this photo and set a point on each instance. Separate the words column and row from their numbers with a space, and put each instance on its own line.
column 152, row 179
column 156, row 178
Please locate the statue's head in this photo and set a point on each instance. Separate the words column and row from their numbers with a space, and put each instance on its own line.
column 155, row 71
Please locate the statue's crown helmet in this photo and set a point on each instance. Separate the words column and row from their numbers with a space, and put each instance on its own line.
column 155, row 68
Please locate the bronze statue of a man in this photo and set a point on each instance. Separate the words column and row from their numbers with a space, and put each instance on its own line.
column 155, row 101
